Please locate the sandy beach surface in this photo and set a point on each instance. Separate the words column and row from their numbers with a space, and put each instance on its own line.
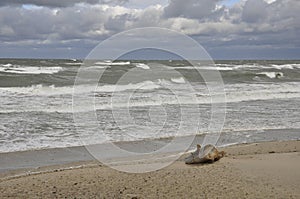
column 258, row 170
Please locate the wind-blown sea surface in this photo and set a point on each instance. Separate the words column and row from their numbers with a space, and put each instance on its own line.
column 36, row 100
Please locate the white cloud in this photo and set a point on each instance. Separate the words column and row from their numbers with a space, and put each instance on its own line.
column 58, row 3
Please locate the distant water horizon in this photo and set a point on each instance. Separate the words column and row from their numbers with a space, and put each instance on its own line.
column 154, row 59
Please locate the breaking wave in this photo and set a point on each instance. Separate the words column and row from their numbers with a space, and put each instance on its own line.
column 61, row 100
column 272, row 75
column 143, row 66
column 110, row 63
column 9, row 68
column 231, row 67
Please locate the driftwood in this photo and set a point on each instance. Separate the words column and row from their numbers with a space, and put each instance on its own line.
column 207, row 154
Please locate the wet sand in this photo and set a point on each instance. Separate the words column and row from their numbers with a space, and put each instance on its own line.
column 262, row 170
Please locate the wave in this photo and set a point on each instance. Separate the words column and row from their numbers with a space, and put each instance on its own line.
column 73, row 63
column 110, row 63
column 272, row 75
column 234, row 93
column 203, row 68
column 43, row 90
column 145, row 85
column 143, row 66
column 242, row 66
column 286, row 66
column 39, row 90
column 98, row 67
column 258, row 67
column 9, row 68
column 230, row 67
column 7, row 65
column 174, row 101
column 179, row 80
column 237, row 94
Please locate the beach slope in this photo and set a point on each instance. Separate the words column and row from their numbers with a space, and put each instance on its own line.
column 262, row 170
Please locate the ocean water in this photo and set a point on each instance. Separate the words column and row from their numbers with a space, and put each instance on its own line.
column 262, row 98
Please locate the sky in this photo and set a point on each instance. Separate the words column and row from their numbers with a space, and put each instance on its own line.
column 227, row 29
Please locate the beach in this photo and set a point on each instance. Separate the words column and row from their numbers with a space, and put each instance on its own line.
column 49, row 138
column 256, row 170
column 112, row 99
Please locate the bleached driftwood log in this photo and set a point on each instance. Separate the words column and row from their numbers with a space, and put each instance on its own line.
column 209, row 153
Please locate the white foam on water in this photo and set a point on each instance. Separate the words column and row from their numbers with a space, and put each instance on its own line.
column 284, row 66
column 249, row 67
column 40, row 142
column 272, row 75
column 217, row 68
column 256, row 66
column 97, row 67
column 61, row 97
column 143, row 66
column 179, row 80
column 258, row 93
column 110, row 63
column 296, row 65
column 203, row 68
column 7, row 65
column 43, row 90
column 73, row 63
column 38, row 90
column 8, row 68
column 273, row 66
column 249, row 92
column 146, row 85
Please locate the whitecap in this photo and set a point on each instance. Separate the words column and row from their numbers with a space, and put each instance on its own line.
column 73, row 63
column 203, row 68
column 113, row 63
column 285, row 66
column 146, row 85
column 179, row 80
column 272, row 75
column 98, row 67
column 30, row 70
column 143, row 66
column 7, row 65
column 44, row 90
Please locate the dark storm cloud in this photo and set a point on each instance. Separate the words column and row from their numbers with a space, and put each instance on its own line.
column 190, row 8
column 246, row 25
column 254, row 11
column 56, row 3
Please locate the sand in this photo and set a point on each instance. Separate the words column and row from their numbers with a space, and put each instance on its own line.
column 262, row 170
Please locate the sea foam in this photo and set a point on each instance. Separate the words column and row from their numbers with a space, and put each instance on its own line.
column 8, row 68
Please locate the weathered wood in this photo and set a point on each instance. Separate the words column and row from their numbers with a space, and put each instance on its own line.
column 207, row 154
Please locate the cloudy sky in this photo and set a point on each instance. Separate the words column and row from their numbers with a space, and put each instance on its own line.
column 228, row 29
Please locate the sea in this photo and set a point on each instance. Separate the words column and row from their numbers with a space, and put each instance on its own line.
column 37, row 105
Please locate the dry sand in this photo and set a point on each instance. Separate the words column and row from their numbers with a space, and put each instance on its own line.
column 263, row 170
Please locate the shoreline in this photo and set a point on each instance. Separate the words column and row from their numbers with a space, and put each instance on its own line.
column 227, row 137
column 10, row 161
column 256, row 170
column 36, row 158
